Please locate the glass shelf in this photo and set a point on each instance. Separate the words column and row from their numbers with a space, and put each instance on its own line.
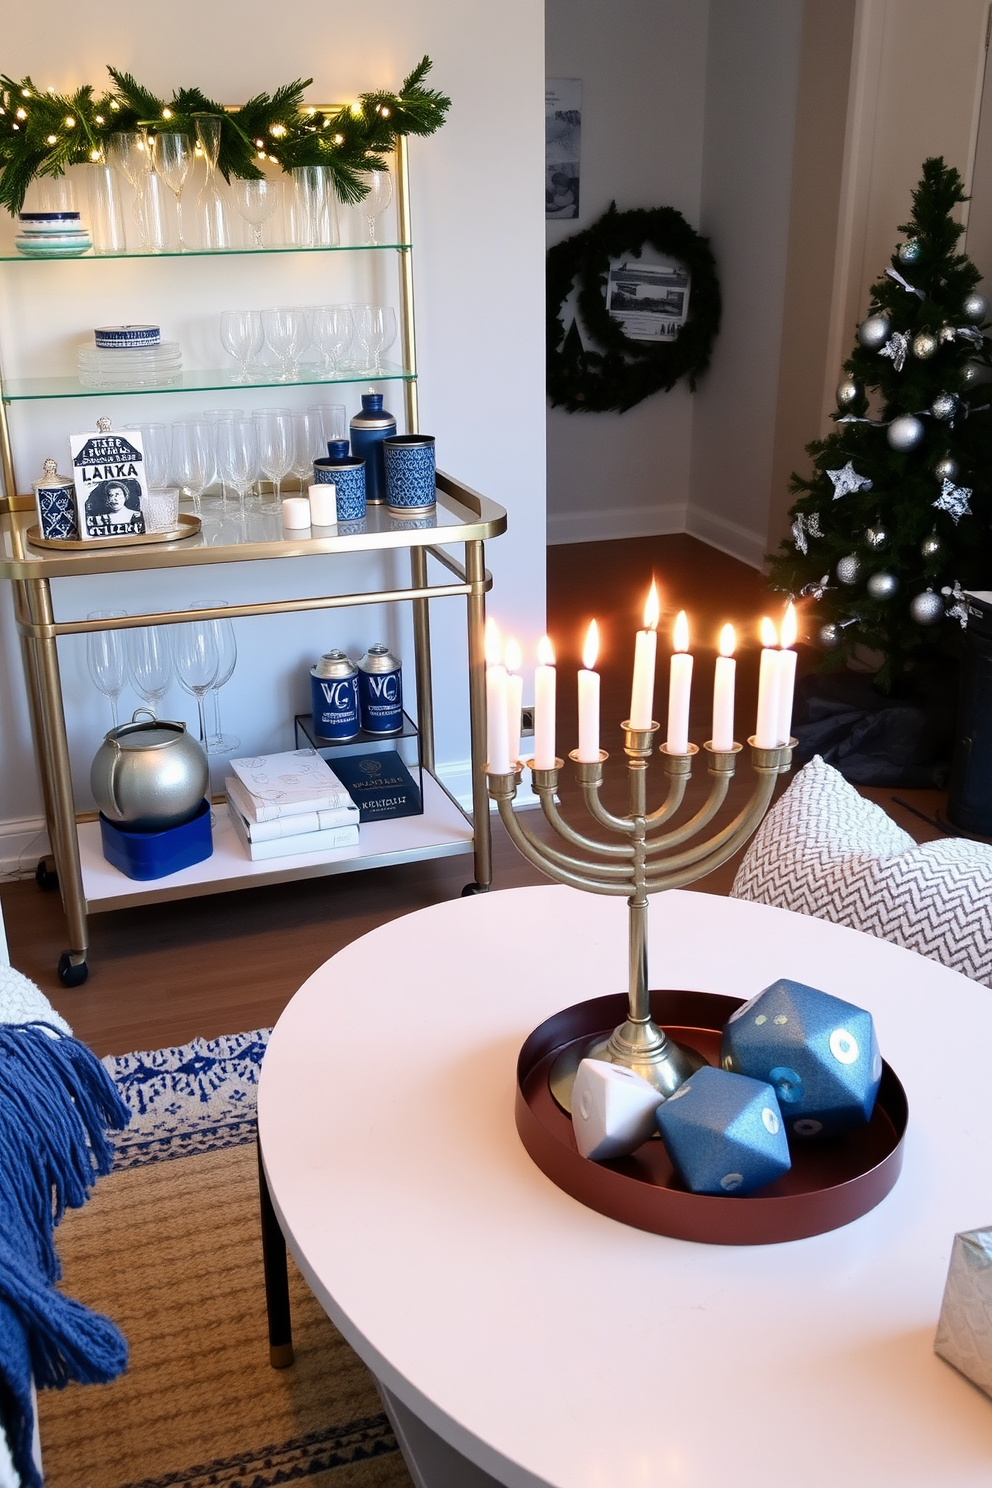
column 24, row 389
column 90, row 256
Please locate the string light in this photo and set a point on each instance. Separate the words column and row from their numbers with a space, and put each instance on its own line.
column 100, row 119
column 277, row 130
column 53, row 139
column 311, row 112
column 261, row 154
column 339, row 139
column 21, row 114
column 259, row 144
column 25, row 92
column 356, row 110
column 166, row 113
column 96, row 155
column 70, row 122
column 114, row 105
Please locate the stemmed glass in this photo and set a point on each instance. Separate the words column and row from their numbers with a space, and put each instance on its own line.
column 150, row 654
column 310, row 187
column 157, row 450
column 193, row 458
column 275, row 445
column 197, row 662
column 331, row 327
column 375, row 327
column 241, row 334
column 288, row 334
column 211, row 209
column 227, row 659
column 237, row 455
column 105, row 658
column 256, row 201
column 128, row 150
column 215, row 416
column 380, row 194
column 308, row 445
column 172, row 157
column 333, row 422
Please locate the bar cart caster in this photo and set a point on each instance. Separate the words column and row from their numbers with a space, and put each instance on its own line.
column 73, row 970
column 473, row 888
column 45, row 875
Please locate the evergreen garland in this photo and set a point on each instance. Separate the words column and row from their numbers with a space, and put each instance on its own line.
column 42, row 133
column 625, row 371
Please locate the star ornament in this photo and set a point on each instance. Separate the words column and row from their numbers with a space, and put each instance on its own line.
column 953, row 500
column 848, row 480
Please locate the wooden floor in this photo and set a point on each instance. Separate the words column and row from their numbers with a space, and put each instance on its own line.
column 201, row 967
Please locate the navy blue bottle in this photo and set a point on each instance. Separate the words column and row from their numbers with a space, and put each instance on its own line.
column 368, row 429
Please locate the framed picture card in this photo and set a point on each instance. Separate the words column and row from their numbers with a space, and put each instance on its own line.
column 109, row 476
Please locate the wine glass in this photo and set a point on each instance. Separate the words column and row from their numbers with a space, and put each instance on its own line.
column 215, row 416
column 227, row 659
column 193, row 458
column 211, row 209
column 275, row 445
column 375, row 327
column 172, row 157
column 288, row 334
column 156, row 444
column 237, row 455
column 150, row 655
column 197, row 662
column 105, row 658
column 241, row 334
column 380, row 194
column 308, row 445
column 331, row 327
column 256, row 201
column 333, row 422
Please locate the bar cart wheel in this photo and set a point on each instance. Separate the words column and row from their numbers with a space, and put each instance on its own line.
column 72, row 974
column 45, row 877
column 473, row 888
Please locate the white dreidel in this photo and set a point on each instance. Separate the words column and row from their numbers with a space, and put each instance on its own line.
column 612, row 1109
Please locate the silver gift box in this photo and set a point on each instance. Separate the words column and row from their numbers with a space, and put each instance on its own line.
column 964, row 1332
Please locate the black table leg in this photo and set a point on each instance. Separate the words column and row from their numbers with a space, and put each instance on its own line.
column 276, row 1278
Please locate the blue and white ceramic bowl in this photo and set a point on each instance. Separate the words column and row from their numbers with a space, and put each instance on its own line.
column 127, row 337
column 49, row 222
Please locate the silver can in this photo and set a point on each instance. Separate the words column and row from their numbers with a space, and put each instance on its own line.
column 334, row 694
column 380, row 691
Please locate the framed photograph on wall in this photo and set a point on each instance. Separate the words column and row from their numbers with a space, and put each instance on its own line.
column 563, row 132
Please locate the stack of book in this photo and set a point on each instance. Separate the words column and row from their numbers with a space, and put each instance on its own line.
column 284, row 804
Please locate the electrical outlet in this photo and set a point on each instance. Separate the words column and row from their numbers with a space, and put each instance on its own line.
column 526, row 722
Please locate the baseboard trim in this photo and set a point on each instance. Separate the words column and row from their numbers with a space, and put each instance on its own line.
column 728, row 537
column 615, row 522
column 23, row 840
column 456, row 777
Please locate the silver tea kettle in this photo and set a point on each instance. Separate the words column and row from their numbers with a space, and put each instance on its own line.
column 149, row 774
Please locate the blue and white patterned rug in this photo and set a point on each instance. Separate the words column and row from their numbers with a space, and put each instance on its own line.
column 196, row 1098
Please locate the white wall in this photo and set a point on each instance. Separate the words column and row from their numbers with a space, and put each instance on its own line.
column 477, row 193
column 642, row 65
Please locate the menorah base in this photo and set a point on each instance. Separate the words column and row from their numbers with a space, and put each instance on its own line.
column 641, row 1047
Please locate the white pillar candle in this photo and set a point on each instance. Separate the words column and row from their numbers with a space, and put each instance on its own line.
column 588, row 750
column 645, row 651
column 766, row 728
column 545, row 687
column 295, row 513
column 514, row 699
column 497, row 741
column 679, row 689
column 787, row 674
column 724, row 682
column 323, row 505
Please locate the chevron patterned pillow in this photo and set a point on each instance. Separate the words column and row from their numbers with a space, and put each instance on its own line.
column 824, row 850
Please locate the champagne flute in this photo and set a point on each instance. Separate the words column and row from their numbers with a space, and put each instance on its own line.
column 192, row 458
column 275, row 445
column 150, row 654
column 197, row 662
column 380, row 194
column 256, row 202
column 237, row 455
column 128, row 150
column 227, row 659
column 105, row 658
column 211, row 209
column 241, row 334
column 172, row 157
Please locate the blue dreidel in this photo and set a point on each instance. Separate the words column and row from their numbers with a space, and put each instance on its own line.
column 612, row 1109
column 724, row 1133
column 818, row 1052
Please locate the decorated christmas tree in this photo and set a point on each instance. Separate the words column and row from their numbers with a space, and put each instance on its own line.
column 894, row 521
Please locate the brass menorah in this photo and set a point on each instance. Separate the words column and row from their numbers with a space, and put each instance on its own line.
column 645, row 862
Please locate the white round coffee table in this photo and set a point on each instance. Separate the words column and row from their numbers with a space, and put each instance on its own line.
column 551, row 1345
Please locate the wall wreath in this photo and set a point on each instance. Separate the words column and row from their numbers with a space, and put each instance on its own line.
column 624, row 370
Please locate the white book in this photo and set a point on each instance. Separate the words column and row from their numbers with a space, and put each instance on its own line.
column 289, row 784
column 286, row 826
column 289, row 847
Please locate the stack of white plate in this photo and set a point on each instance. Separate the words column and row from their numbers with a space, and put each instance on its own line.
column 52, row 235
column 139, row 366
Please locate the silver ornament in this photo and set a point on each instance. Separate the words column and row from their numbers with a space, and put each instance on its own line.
column 848, row 570
column 905, row 432
column 924, row 345
column 932, row 548
column 877, row 537
column 926, row 608
column 947, row 469
column 849, row 392
column 909, row 251
column 897, row 347
column 875, row 331
column 975, row 307
column 944, row 406
column 829, row 637
column 974, row 373
column 946, row 334
column 847, row 480
column 883, row 585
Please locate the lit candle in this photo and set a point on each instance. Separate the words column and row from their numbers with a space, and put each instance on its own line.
column 679, row 688
column 645, row 647
column 497, row 741
column 514, row 698
column 545, row 681
column 787, row 673
column 588, row 750
column 766, row 728
column 724, row 680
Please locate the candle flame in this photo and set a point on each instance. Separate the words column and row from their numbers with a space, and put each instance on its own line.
column 545, row 652
column 769, row 635
column 512, row 655
column 652, row 608
column 494, row 645
column 728, row 641
column 789, row 625
column 590, row 650
column 680, row 634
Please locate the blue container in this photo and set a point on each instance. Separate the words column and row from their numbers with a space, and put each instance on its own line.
column 410, row 475
column 368, row 429
column 337, row 449
column 145, row 855
column 334, row 694
column 380, row 691
column 348, row 479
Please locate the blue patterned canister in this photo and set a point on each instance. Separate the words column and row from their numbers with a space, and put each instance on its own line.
column 55, row 499
column 410, row 477
column 349, row 478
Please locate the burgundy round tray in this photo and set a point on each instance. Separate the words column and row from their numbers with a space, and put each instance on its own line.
column 830, row 1182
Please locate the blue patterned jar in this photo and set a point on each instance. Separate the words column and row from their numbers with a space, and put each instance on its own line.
column 368, row 429
column 410, row 476
column 348, row 479
column 55, row 500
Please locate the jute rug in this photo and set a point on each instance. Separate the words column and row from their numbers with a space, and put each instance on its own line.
column 169, row 1246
